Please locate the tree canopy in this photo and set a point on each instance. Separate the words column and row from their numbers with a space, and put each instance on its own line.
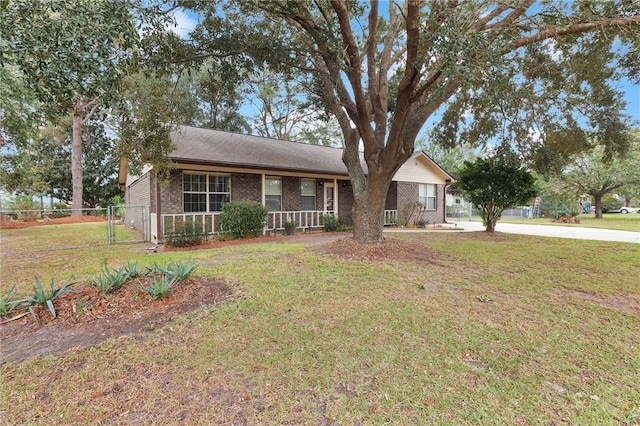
column 73, row 56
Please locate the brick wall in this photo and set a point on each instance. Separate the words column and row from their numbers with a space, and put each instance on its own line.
column 291, row 196
column 171, row 194
column 408, row 194
column 245, row 186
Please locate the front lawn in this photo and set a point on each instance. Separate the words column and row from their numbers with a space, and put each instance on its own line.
column 503, row 329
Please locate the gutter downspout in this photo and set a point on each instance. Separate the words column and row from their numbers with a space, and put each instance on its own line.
column 444, row 201
column 158, row 210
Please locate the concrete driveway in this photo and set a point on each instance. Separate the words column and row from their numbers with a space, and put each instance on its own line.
column 558, row 231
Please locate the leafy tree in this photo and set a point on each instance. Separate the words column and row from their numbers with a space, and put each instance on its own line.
column 73, row 55
column 19, row 110
column 285, row 113
column 516, row 71
column 594, row 174
column 99, row 162
column 219, row 98
column 495, row 184
column 449, row 158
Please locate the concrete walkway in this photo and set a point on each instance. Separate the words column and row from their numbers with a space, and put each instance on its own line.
column 547, row 231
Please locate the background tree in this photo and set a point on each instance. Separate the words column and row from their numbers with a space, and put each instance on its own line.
column 99, row 161
column 219, row 91
column 495, row 184
column 449, row 158
column 73, row 55
column 596, row 175
column 505, row 70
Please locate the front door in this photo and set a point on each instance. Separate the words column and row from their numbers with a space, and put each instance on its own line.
column 329, row 198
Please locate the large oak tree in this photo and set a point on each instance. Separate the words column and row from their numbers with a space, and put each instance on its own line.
column 515, row 71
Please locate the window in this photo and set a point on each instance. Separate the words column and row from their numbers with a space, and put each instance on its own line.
column 273, row 193
column 427, row 195
column 308, row 194
column 205, row 192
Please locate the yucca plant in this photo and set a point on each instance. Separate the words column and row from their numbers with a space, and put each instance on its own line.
column 131, row 269
column 45, row 298
column 180, row 270
column 160, row 285
column 111, row 280
column 7, row 304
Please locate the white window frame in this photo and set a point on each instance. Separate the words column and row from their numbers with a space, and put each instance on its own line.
column 428, row 196
column 206, row 192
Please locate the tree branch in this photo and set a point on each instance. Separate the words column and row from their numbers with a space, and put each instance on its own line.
column 573, row 29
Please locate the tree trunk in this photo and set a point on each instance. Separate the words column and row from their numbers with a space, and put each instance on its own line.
column 598, row 199
column 368, row 209
column 76, row 164
column 490, row 217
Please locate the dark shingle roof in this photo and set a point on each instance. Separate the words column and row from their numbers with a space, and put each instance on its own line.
column 215, row 147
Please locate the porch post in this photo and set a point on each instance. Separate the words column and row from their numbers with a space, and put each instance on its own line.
column 336, row 196
column 158, row 211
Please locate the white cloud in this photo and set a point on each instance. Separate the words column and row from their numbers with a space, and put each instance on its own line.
column 185, row 23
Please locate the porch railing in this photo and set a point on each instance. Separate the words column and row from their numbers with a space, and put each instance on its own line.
column 209, row 223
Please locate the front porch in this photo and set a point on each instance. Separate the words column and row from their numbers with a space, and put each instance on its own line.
column 209, row 223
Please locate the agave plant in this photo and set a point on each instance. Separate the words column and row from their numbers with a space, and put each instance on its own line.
column 45, row 298
column 160, row 285
column 7, row 304
column 111, row 280
column 181, row 270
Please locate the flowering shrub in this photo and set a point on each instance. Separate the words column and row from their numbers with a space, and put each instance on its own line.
column 184, row 234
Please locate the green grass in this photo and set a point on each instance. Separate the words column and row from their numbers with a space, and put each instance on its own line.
column 620, row 222
column 508, row 329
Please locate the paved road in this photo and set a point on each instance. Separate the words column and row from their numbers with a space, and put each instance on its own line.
column 558, row 231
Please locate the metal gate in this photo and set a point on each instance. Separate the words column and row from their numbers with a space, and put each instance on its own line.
column 128, row 224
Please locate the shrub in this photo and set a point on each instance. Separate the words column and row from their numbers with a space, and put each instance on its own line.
column 59, row 210
column 184, row 234
column 26, row 207
column 243, row 219
column 610, row 203
column 330, row 222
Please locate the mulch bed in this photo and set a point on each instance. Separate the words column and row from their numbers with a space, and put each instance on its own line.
column 87, row 317
column 20, row 224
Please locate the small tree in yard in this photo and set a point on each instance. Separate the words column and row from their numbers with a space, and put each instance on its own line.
column 595, row 174
column 496, row 184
